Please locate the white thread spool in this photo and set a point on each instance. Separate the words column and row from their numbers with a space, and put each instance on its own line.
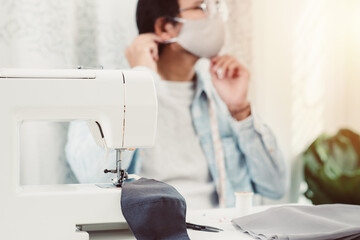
column 244, row 202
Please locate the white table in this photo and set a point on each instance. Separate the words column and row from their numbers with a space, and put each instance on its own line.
column 220, row 218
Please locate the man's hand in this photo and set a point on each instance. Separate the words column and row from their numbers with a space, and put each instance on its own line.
column 144, row 51
column 231, row 80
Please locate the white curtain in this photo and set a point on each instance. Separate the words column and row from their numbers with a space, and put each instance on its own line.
column 239, row 30
column 64, row 34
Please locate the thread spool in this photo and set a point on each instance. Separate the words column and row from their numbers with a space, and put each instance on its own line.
column 243, row 203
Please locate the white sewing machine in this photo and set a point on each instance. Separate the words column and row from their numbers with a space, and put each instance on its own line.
column 122, row 109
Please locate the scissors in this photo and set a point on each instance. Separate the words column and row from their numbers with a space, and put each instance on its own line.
column 203, row 227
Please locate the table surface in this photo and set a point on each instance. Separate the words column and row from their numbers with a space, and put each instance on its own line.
column 220, row 218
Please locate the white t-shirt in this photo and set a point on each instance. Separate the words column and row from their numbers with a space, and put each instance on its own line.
column 177, row 157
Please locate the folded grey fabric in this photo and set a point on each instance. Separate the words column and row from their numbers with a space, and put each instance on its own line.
column 333, row 221
column 154, row 210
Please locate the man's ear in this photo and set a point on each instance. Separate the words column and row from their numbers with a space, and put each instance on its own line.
column 165, row 28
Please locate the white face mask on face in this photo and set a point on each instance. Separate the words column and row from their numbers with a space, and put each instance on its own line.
column 203, row 38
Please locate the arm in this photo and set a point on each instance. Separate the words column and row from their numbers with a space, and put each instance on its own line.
column 255, row 140
column 263, row 157
column 86, row 158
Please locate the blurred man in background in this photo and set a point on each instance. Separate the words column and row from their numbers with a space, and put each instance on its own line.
column 210, row 143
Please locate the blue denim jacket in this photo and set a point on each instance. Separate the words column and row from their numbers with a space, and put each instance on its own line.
column 253, row 160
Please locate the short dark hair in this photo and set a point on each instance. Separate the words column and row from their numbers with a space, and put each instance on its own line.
column 148, row 11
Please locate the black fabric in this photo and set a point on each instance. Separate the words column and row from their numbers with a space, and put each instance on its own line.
column 154, row 210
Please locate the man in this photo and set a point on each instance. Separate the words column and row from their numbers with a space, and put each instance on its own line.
column 209, row 142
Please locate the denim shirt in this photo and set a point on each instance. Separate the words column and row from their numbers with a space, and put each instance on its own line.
column 253, row 161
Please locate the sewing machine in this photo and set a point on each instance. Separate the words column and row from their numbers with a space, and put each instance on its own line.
column 121, row 109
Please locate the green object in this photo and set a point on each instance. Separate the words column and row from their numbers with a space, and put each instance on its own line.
column 332, row 169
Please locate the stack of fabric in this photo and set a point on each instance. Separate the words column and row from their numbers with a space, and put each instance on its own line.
column 322, row 222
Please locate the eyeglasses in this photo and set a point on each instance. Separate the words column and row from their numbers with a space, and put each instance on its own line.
column 211, row 8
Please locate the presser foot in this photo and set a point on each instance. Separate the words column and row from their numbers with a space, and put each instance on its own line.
column 121, row 174
column 119, row 181
column 116, row 183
